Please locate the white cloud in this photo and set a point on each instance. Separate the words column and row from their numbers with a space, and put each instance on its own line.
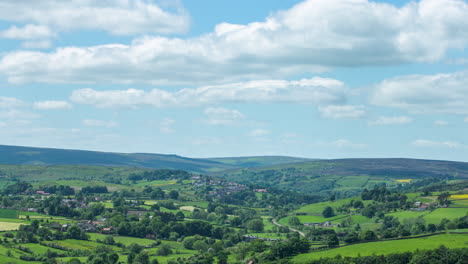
column 166, row 126
column 52, row 105
column 223, row 116
column 466, row 119
column 27, row 32
column 99, row 123
column 311, row 36
column 435, row 144
column 440, row 123
column 18, row 115
column 309, row 91
column 119, row 17
column 10, row 102
column 259, row 132
column 391, row 120
column 440, row 93
column 342, row 111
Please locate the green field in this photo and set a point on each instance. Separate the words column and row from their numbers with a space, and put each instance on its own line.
column 387, row 247
column 122, row 239
column 8, row 213
column 449, row 213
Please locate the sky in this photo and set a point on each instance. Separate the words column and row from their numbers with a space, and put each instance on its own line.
column 313, row 78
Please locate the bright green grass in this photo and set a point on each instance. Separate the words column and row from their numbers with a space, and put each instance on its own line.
column 40, row 249
column 81, row 244
column 311, row 219
column 8, row 213
column 268, row 225
column 269, row 235
column 449, row 213
column 122, row 239
column 317, row 208
column 177, row 248
column 459, row 203
column 387, row 247
column 408, row 214
column 355, row 219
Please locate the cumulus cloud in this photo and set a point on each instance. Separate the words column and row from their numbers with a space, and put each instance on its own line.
column 116, row 17
column 343, row 111
column 391, row 120
column 99, row 123
column 310, row 91
column 439, row 93
column 166, row 126
column 10, row 102
column 223, row 116
column 27, row 32
column 52, row 105
column 435, row 144
column 309, row 37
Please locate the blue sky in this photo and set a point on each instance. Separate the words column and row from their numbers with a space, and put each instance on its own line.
column 316, row 78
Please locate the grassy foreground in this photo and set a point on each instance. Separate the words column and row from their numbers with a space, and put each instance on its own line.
column 388, row 247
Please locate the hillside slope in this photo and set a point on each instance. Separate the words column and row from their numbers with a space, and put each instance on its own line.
column 16, row 155
column 346, row 176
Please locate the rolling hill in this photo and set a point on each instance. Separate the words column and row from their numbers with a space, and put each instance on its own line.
column 346, row 176
column 16, row 155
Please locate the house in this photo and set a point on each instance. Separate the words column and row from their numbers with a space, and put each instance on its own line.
column 261, row 190
column 107, row 230
column 42, row 193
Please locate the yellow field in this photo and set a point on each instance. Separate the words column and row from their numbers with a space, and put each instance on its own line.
column 5, row 226
column 459, row 196
column 404, row 180
column 187, row 208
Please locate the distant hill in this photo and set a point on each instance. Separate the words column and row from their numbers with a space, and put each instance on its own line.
column 346, row 176
column 258, row 161
column 16, row 155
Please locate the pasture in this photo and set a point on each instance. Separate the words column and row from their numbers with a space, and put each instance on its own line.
column 387, row 247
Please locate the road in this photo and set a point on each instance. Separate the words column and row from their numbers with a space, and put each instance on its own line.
column 290, row 228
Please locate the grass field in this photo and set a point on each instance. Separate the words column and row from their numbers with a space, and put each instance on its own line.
column 8, row 213
column 7, row 226
column 449, row 213
column 387, row 247
column 312, row 219
column 122, row 239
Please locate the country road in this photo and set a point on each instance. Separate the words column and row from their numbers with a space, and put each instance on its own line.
column 292, row 229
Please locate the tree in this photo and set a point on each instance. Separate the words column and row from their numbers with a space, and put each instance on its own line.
column 164, row 250
column 173, row 194
column 180, row 216
column 294, row 221
column 255, row 225
column 332, row 240
column 369, row 236
column 142, row 258
column 328, row 212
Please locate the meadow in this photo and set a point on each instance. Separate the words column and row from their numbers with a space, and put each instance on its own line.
column 387, row 247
